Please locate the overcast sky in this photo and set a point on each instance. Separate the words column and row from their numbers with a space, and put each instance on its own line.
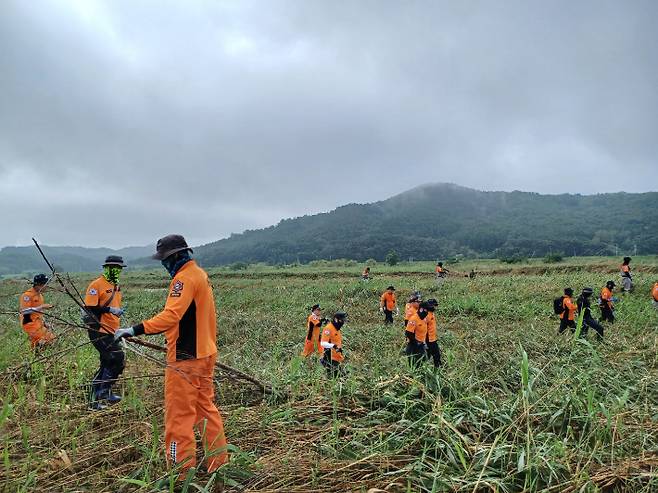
column 122, row 121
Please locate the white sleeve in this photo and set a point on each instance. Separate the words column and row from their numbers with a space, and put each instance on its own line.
column 327, row 345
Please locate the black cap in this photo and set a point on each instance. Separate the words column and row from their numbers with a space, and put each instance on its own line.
column 627, row 259
column 427, row 306
column 587, row 291
column 315, row 307
column 610, row 284
column 568, row 291
column 114, row 260
column 40, row 280
column 341, row 315
column 432, row 301
column 169, row 245
column 391, row 288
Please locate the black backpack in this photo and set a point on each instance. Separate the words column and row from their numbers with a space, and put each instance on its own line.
column 558, row 305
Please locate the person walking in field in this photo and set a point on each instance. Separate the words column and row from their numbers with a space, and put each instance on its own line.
column 332, row 344
column 585, row 307
column 417, row 327
column 411, row 307
column 313, row 327
column 189, row 324
column 439, row 273
column 32, row 306
column 568, row 314
column 431, row 341
column 607, row 302
column 626, row 276
column 366, row 274
column 654, row 295
column 388, row 304
column 102, row 312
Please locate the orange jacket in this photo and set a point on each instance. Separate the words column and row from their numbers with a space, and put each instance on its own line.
column 409, row 310
column 570, row 308
column 625, row 271
column 388, row 301
column 418, row 326
column 331, row 335
column 654, row 292
column 188, row 321
column 430, row 320
column 312, row 324
column 606, row 296
column 33, row 320
column 98, row 292
column 438, row 269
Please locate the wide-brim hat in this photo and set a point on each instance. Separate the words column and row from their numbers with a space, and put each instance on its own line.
column 169, row 245
column 115, row 260
column 391, row 288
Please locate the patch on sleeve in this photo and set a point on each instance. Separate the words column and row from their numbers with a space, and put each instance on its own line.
column 326, row 332
column 177, row 289
column 26, row 298
column 93, row 292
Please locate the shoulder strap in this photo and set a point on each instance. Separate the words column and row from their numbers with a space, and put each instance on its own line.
column 107, row 303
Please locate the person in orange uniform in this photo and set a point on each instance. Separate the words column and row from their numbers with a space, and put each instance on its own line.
column 626, row 276
column 366, row 274
column 103, row 307
column 431, row 341
column 411, row 307
column 32, row 306
column 568, row 315
column 654, row 294
column 440, row 273
column 388, row 304
column 313, row 324
column 189, row 324
column 417, row 325
column 608, row 303
column 332, row 344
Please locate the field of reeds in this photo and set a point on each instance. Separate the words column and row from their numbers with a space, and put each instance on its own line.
column 514, row 408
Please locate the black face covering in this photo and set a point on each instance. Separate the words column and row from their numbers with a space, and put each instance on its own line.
column 422, row 314
column 338, row 323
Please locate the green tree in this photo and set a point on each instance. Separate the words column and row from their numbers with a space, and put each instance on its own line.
column 392, row 258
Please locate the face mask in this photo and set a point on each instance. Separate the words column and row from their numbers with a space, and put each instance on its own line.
column 338, row 323
column 422, row 314
column 175, row 262
column 112, row 273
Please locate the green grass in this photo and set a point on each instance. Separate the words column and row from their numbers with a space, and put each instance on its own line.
column 515, row 408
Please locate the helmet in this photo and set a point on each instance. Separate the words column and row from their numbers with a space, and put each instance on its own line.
column 40, row 280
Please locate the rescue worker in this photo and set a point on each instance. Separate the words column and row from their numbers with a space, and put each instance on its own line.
column 585, row 307
column 440, row 273
column 412, row 306
column 418, row 327
column 387, row 304
column 366, row 274
column 568, row 315
column 32, row 306
column 332, row 344
column 103, row 306
column 188, row 322
column 626, row 276
column 313, row 324
column 431, row 341
column 654, row 294
column 607, row 302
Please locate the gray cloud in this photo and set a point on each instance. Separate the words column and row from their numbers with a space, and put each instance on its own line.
column 208, row 118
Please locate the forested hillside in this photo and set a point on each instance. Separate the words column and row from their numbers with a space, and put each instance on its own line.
column 442, row 220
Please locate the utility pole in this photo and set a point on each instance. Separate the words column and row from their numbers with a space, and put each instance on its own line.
column 635, row 249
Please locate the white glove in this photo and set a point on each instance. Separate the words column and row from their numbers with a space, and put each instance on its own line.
column 381, row 309
column 121, row 333
column 116, row 311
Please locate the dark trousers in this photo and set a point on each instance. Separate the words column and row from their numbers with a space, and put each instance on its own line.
column 564, row 323
column 415, row 351
column 333, row 367
column 590, row 322
column 388, row 316
column 112, row 363
column 434, row 351
column 607, row 314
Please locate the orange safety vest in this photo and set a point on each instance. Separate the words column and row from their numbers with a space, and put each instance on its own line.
column 32, row 321
column 655, row 292
column 606, row 295
column 98, row 292
column 334, row 336
column 409, row 310
column 388, row 301
column 431, row 327
column 419, row 327
column 188, row 321
column 569, row 308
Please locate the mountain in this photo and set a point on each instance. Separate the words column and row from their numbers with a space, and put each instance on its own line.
column 16, row 260
column 443, row 220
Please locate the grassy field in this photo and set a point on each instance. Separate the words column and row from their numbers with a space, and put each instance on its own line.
column 515, row 408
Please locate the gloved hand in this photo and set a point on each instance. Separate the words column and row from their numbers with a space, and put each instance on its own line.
column 615, row 299
column 338, row 349
column 116, row 311
column 121, row 333
column 381, row 309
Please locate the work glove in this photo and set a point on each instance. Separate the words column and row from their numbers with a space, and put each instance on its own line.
column 381, row 309
column 121, row 333
column 116, row 311
column 338, row 349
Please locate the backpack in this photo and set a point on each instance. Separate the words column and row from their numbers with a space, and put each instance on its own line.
column 558, row 306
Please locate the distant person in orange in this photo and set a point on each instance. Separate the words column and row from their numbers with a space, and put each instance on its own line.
column 188, row 323
column 568, row 315
column 607, row 303
column 654, row 295
column 332, row 344
column 388, row 304
column 366, row 274
column 313, row 324
column 103, row 309
column 411, row 307
column 626, row 276
column 32, row 306
column 440, row 273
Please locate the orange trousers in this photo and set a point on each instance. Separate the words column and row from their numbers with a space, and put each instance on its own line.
column 310, row 346
column 39, row 335
column 189, row 403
